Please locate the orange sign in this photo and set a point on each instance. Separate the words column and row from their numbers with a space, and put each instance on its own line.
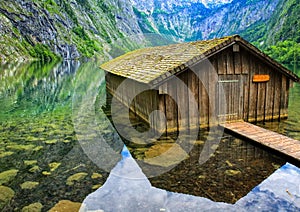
column 261, row 78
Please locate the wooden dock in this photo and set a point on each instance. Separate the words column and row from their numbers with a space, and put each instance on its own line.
column 275, row 141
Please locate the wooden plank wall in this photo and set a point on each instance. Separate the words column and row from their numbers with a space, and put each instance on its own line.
column 189, row 106
column 266, row 100
column 142, row 104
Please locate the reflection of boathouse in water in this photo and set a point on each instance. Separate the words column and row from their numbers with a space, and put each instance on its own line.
column 200, row 83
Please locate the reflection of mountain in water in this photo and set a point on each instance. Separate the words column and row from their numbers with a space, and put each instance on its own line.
column 37, row 87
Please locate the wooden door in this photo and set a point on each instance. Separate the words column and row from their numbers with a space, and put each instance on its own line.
column 229, row 98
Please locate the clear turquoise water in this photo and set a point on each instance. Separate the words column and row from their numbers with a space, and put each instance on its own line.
column 45, row 124
column 37, row 134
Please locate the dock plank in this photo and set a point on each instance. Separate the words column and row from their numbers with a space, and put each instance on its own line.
column 267, row 138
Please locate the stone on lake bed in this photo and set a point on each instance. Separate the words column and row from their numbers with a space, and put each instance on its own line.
column 38, row 130
column 34, row 169
column 165, row 154
column 32, row 139
column 29, row 162
column 228, row 163
column 76, row 178
column 38, row 148
column 96, row 186
column 232, row 172
column 53, row 141
column 34, row 207
column 4, row 154
column 96, row 175
column 6, row 194
column 8, row 175
column 214, row 146
column 20, row 147
column 237, row 142
column 198, row 142
column 65, row 205
column 45, row 173
column 53, row 166
column 276, row 166
column 29, row 185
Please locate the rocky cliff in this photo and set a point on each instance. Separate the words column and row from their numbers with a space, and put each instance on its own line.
column 193, row 20
column 47, row 29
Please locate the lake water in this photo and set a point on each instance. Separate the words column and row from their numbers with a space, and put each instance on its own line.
column 57, row 143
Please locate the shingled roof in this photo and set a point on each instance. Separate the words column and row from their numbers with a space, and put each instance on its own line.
column 155, row 64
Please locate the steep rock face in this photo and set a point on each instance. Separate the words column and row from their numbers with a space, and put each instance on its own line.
column 32, row 24
column 69, row 28
column 285, row 23
column 202, row 20
column 236, row 18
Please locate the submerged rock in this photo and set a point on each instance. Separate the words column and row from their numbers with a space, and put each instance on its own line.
column 45, row 173
column 38, row 130
column 67, row 141
column 20, row 147
column 53, row 166
column 214, row 146
column 96, row 175
column 198, row 142
column 32, row 139
column 6, row 194
column 8, row 175
column 76, row 178
column 29, row 162
column 34, row 207
column 34, row 169
column 4, row 154
column 201, row 176
column 165, row 154
column 29, row 185
column 65, row 205
column 229, row 163
column 237, row 142
column 276, row 166
column 38, row 148
column 232, row 172
column 53, row 141
column 96, row 186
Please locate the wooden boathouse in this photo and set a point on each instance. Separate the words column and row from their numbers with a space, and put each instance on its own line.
column 200, row 83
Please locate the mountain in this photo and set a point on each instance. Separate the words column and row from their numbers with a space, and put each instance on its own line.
column 48, row 29
column 71, row 29
column 194, row 20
